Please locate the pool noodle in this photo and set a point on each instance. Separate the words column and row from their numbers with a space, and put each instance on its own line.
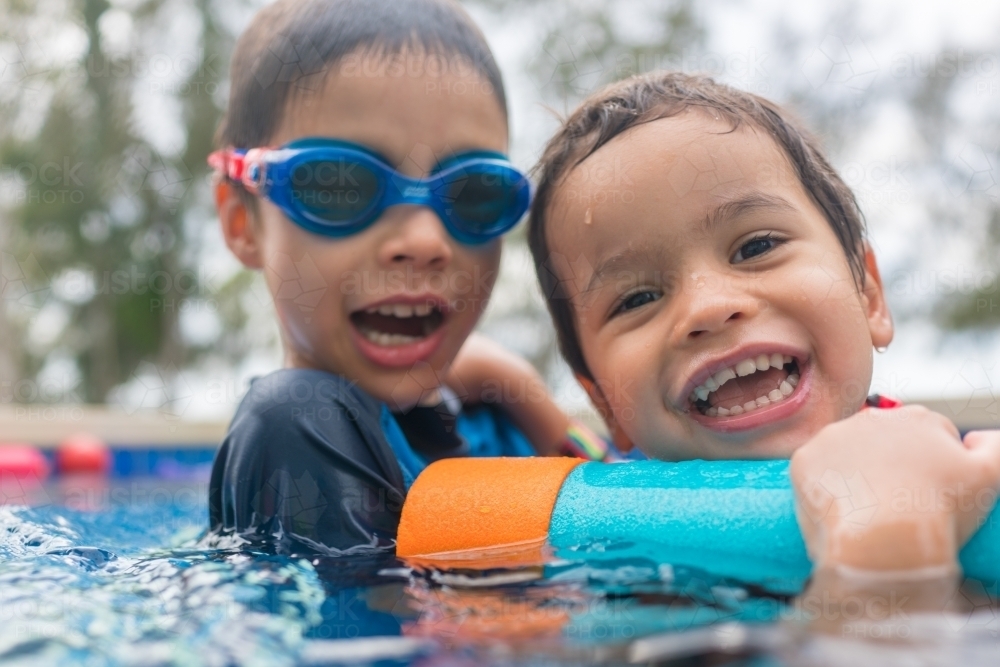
column 734, row 518
column 731, row 518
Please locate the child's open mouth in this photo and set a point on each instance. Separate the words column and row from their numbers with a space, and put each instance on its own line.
column 400, row 332
column 753, row 383
column 396, row 324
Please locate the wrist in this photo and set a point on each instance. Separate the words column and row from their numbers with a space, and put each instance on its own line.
column 912, row 544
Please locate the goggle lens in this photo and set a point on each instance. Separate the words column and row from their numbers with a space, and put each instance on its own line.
column 480, row 200
column 337, row 191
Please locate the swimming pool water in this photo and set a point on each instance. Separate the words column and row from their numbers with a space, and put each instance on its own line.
column 112, row 573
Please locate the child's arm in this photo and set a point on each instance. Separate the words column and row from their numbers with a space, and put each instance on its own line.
column 485, row 372
column 894, row 490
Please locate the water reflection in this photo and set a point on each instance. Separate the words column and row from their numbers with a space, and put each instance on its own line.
column 128, row 584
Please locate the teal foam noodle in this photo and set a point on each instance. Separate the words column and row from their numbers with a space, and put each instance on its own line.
column 732, row 518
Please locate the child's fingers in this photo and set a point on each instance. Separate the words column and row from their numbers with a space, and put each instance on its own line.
column 936, row 417
column 985, row 447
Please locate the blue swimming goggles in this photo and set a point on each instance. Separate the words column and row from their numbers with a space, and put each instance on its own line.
column 337, row 188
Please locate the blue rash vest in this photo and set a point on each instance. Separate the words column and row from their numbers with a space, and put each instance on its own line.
column 313, row 464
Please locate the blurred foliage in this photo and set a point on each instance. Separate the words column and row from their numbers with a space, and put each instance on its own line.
column 96, row 208
column 103, row 185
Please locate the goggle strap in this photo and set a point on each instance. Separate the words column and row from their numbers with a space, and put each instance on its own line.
column 228, row 162
column 253, row 168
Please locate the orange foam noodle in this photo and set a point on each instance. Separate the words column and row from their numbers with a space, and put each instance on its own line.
column 464, row 504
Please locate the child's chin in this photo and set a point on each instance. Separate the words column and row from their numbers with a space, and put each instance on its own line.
column 780, row 442
column 399, row 391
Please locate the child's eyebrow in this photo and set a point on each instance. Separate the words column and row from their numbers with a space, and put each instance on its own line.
column 625, row 259
column 747, row 202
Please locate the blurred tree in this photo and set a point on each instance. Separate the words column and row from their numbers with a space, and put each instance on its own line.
column 107, row 109
column 96, row 204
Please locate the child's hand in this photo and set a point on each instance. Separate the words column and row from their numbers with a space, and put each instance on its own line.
column 893, row 490
column 485, row 372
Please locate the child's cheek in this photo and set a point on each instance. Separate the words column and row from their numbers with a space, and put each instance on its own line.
column 629, row 382
column 472, row 276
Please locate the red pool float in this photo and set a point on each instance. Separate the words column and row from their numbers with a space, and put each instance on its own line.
column 22, row 461
column 83, row 453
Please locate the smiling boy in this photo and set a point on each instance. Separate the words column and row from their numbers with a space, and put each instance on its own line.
column 747, row 322
column 365, row 141
column 711, row 287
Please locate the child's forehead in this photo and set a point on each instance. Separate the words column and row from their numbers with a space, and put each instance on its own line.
column 690, row 161
column 665, row 181
column 697, row 137
column 407, row 115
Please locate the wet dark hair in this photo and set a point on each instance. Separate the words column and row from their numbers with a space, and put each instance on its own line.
column 641, row 99
column 291, row 45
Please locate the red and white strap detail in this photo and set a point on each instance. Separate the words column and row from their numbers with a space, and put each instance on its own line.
column 243, row 167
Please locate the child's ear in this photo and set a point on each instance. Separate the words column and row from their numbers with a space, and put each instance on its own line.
column 240, row 233
column 618, row 436
column 873, row 298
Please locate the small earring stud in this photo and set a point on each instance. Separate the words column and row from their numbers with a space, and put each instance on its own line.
column 881, row 350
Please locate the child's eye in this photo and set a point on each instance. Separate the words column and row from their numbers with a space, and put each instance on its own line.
column 637, row 300
column 755, row 247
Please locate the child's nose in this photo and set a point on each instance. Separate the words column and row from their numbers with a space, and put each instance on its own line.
column 707, row 310
column 419, row 239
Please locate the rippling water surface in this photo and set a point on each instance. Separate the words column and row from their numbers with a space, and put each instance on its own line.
column 114, row 575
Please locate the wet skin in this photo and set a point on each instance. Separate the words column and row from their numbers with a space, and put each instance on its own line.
column 688, row 247
column 405, row 258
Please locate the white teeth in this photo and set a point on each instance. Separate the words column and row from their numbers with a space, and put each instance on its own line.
column 724, row 376
column 712, row 412
column 402, row 310
column 763, row 362
column 388, row 339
